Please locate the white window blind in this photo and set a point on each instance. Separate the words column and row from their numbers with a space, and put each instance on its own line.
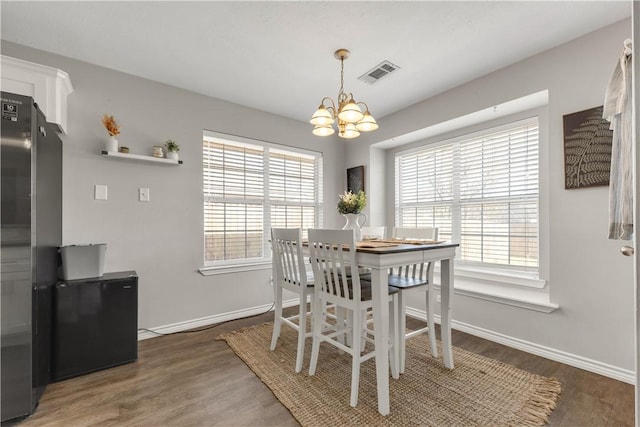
column 424, row 189
column 249, row 188
column 294, row 182
column 480, row 191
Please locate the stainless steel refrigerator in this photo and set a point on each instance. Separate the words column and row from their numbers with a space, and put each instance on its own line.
column 30, row 234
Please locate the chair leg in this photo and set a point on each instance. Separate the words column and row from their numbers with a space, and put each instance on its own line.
column 302, row 330
column 341, row 322
column 431, row 298
column 355, row 359
column 363, row 335
column 350, row 335
column 277, row 315
column 317, row 332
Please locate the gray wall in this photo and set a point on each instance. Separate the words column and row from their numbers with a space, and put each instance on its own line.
column 163, row 239
column 587, row 277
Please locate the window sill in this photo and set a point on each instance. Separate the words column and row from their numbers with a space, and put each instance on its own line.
column 500, row 277
column 237, row 268
column 514, row 289
column 530, row 299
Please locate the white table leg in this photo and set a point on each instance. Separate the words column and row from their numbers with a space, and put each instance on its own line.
column 431, row 305
column 446, row 289
column 380, row 295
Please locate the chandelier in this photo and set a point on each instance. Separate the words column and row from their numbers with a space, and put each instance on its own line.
column 351, row 120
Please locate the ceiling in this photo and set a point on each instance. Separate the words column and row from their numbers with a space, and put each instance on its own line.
column 278, row 56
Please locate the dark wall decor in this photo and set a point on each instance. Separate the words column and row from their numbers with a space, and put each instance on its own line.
column 587, row 149
column 355, row 179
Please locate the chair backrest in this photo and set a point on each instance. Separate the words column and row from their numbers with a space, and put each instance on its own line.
column 421, row 270
column 333, row 258
column 430, row 233
column 286, row 244
column 373, row 232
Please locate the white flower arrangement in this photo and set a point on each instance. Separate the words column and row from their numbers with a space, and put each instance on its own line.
column 352, row 203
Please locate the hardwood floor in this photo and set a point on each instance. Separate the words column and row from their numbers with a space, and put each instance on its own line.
column 587, row 399
column 193, row 380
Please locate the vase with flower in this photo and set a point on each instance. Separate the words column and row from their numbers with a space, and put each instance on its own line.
column 350, row 205
column 113, row 128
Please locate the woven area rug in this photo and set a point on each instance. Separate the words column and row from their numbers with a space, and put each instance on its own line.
column 478, row 392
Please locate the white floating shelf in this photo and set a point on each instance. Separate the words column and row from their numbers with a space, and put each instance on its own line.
column 114, row 154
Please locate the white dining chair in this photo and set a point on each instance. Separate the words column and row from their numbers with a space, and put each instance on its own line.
column 331, row 251
column 291, row 274
column 410, row 277
column 373, row 232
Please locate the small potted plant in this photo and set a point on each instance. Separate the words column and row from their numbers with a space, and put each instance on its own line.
column 113, row 129
column 172, row 149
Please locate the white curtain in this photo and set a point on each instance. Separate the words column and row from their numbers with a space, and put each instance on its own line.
column 618, row 111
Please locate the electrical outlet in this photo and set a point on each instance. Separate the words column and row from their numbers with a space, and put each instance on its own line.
column 100, row 192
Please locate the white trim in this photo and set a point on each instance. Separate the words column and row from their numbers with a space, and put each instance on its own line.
column 516, row 106
column 527, row 121
column 518, row 278
column 211, row 135
column 570, row 359
column 210, row 320
column 610, row 371
column 512, row 297
column 503, row 292
column 447, row 156
column 237, row 268
column 266, row 201
column 49, row 87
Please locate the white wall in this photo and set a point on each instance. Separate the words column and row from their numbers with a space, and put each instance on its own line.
column 376, row 178
column 163, row 239
column 587, row 277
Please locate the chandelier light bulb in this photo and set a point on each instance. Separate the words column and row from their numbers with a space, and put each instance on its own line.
column 349, row 132
column 322, row 117
column 325, row 130
column 350, row 113
column 367, row 124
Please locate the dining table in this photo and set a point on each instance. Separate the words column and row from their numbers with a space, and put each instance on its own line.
column 379, row 258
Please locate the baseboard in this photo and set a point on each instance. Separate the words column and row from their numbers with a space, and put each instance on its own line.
column 570, row 359
column 210, row 320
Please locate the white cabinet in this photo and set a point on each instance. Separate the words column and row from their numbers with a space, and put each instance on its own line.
column 49, row 87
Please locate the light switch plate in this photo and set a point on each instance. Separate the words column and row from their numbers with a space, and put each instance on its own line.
column 100, row 192
column 143, row 194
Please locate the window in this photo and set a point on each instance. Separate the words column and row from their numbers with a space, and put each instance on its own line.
column 250, row 186
column 480, row 190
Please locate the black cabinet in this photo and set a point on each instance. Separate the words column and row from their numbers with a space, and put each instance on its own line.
column 95, row 324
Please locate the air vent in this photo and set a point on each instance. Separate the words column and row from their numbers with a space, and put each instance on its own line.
column 379, row 71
